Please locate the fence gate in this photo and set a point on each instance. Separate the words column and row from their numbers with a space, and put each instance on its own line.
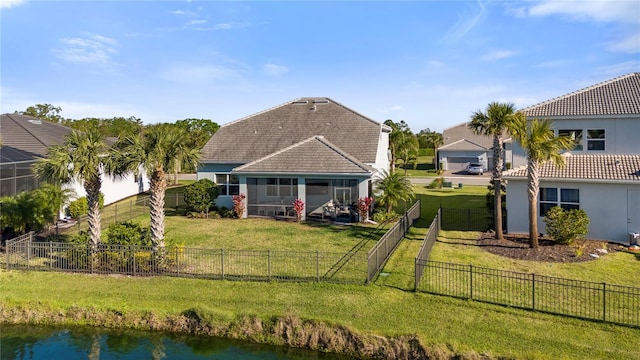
column 18, row 251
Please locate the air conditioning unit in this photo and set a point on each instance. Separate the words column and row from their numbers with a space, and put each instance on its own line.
column 634, row 238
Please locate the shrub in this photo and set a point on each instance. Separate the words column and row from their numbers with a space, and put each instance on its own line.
column 127, row 233
column 490, row 199
column 383, row 216
column 298, row 206
column 80, row 207
column 566, row 226
column 436, row 184
column 364, row 204
column 200, row 196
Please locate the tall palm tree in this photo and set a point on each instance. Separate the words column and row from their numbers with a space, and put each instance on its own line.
column 540, row 144
column 80, row 158
column 158, row 150
column 497, row 120
column 394, row 188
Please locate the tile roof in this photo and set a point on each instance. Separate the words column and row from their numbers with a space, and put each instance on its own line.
column 617, row 96
column 29, row 135
column 596, row 168
column 269, row 131
column 315, row 155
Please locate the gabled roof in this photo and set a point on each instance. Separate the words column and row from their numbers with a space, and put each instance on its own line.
column 256, row 136
column 315, row 155
column 463, row 144
column 29, row 135
column 618, row 96
column 455, row 134
column 599, row 168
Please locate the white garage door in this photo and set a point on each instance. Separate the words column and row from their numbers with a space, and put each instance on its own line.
column 459, row 163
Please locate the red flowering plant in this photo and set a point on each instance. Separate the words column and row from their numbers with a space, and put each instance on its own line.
column 298, row 207
column 364, row 204
column 238, row 204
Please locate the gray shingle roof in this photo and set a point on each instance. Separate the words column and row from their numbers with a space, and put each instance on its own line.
column 462, row 132
column 463, row 144
column 315, row 155
column 264, row 133
column 618, row 96
column 29, row 135
column 596, row 168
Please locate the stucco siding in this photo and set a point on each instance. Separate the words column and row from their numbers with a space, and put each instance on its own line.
column 605, row 204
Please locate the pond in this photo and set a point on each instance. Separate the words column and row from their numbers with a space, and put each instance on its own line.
column 51, row 343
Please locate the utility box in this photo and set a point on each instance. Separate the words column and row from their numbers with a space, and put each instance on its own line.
column 634, row 238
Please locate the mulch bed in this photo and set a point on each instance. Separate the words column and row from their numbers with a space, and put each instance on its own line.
column 516, row 246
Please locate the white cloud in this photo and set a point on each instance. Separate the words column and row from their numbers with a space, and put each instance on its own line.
column 197, row 22
column 182, row 12
column 88, row 49
column 621, row 68
column 630, row 44
column 553, row 64
column 274, row 70
column 466, row 23
column 10, row 3
column 202, row 74
column 600, row 11
column 498, row 55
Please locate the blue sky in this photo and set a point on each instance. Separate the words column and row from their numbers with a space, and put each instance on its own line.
column 430, row 63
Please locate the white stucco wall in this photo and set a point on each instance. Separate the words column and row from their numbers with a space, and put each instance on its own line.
column 115, row 189
column 605, row 204
column 382, row 154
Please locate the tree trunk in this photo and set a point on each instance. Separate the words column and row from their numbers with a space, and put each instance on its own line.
column 497, row 185
column 92, row 188
column 533, row 188
column 158, row 185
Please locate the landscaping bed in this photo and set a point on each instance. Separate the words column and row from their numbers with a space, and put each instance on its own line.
column 516, row 246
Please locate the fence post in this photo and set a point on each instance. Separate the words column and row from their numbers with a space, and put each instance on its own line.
column 29, row 252
column 604, row 301
column 177, row 250
column 269, row 264
column 222, row 262
column 533, row 291
column 470, row 281
column 8, row 252
column 468, row 220
column 133, row 248
column 415, row 276
column 50, row 255
column 317, row 265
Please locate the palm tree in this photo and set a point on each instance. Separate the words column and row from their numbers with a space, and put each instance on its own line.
column 497, row 120
column 158, row 150
column 80, row 158
column 394, row 188
column 540, row 144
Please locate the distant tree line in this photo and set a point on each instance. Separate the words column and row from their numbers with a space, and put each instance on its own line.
column 406, row 147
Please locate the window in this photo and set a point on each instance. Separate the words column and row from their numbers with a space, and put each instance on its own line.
column 282, row 187
column 595, row 139
column 228, row 184
column 567, row 199
column 575, row 135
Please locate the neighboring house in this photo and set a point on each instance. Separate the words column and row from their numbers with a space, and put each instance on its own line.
column 461, row 147
column 25, row 139
column 313, row 149
column 602, row 175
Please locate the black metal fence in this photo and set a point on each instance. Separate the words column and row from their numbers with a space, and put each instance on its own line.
column 467, row 219
column 378, row 255
column 582, row 299
column 261, row 265
column 352, row 267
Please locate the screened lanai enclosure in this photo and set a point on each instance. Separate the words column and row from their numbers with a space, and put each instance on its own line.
column 323, row 198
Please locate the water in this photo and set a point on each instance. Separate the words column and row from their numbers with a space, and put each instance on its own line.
column 50, row 343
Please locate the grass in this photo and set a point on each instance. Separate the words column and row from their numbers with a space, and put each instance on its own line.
column 377, row 309
column 386, row 308
column 424, row 168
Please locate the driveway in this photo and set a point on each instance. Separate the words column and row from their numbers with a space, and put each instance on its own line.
column 456, row 178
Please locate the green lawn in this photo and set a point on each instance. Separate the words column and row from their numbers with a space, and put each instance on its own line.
column 387, row 308
column 379, row 309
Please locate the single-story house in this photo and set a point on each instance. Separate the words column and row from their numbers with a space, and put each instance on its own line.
column 25, row 139
column 602, row 175
column 461, row 146
column 311, row 148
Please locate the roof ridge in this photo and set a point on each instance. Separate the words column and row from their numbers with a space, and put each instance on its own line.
column 321, row 139
column 580, row 91
column 25, row 129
